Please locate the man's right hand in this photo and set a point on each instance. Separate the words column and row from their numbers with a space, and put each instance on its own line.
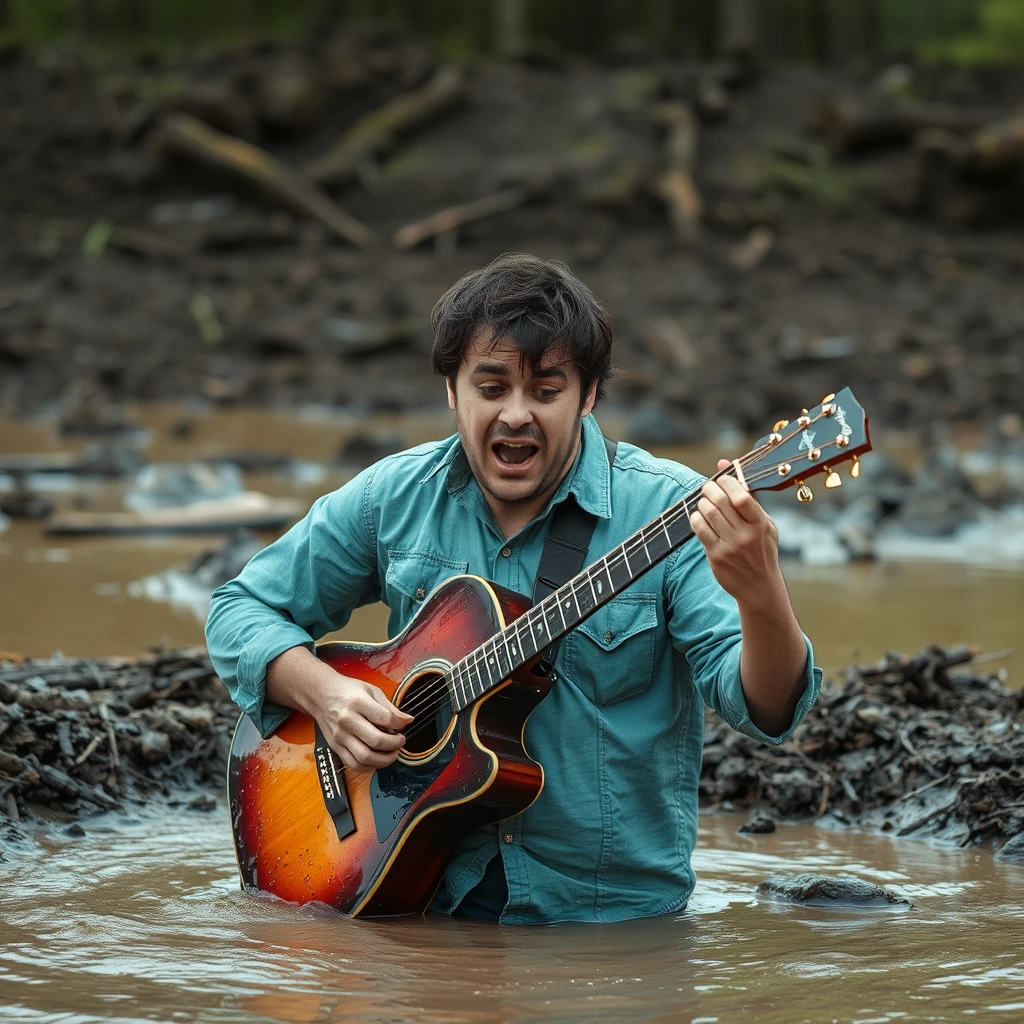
column 359, row 722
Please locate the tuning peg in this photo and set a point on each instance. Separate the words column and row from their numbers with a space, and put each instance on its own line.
column 804, row 494
column 855, row 468
column 833, row 479
column 827, row 398
column 780, row 425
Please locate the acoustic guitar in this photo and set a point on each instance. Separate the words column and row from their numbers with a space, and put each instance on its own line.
column 468, row 666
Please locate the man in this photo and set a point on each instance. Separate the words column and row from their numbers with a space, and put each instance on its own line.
column 525, row 350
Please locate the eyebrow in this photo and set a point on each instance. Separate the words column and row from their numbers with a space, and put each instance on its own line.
column 500, row 369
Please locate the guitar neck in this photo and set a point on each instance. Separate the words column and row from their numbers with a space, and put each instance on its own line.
column 564, row 609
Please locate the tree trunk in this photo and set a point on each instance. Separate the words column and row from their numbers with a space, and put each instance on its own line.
column 740, row 27
column 510, row 19
column 324, row 17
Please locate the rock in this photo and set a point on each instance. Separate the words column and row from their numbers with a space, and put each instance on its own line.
column 154, row 746
column 941, row 499
column 75, row 831
column 362, row 450
column 1013, row 849
column 759, row 824
column 203, row 802
column 655, row 424
column 828, row 891
column 172, row 484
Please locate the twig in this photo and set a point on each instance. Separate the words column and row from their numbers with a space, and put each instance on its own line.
column 115, row 759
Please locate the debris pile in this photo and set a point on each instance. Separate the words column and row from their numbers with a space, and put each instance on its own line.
column 908, row 745
column 79, row 735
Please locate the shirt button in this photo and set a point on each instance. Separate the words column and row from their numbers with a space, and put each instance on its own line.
column 505, row 552
column 609, row 637
column 507, row 837
column 420, row 593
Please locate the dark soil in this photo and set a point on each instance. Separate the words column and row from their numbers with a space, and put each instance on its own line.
column 126, row 275
column 910, row 746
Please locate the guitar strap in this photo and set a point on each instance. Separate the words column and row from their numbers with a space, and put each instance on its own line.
column 564, row 554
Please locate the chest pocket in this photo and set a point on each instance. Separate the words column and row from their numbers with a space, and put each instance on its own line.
column 610, row 656
column 410, row 578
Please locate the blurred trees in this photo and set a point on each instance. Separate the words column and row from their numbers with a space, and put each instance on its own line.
column 822, row 31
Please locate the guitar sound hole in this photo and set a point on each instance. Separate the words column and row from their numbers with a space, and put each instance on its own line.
column 427, row 699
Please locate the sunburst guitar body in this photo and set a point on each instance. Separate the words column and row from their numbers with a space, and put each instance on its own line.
column 385, row 853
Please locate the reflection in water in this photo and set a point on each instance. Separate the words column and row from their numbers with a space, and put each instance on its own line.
column 145, row 921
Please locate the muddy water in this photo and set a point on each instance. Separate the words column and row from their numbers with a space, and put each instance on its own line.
column 144, row 921
column 81, row 595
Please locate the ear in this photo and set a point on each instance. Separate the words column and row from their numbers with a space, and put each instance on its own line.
column 451, row 394
column 588, row 405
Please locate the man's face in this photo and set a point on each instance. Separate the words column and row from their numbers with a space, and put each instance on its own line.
column 519, row 426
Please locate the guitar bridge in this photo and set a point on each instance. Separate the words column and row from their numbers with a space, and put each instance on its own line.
column 332, row 785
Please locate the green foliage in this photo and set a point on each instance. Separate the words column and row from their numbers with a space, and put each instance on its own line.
column 94, row 244
column 1000, row 39
column 823, row 182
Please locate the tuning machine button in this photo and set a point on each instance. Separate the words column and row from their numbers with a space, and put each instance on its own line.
column 855, row 468
column 833, row 479
column 803, row 493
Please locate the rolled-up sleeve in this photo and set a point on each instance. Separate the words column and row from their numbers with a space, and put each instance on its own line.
column 704, row 622
column 302, row 586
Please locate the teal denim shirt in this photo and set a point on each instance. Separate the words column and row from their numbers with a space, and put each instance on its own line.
column 620, row 734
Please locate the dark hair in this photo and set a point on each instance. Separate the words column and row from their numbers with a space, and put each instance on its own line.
column 534, row 303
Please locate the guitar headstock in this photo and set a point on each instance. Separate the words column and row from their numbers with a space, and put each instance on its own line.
column 833, row 432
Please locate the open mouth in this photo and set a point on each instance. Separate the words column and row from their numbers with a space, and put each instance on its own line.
column 514, row 456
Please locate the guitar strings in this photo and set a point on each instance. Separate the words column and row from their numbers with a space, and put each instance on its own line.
column 436, row 695
column 439, row 694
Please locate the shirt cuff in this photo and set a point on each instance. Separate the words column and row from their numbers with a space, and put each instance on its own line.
column 251, row 674
column 739, row 715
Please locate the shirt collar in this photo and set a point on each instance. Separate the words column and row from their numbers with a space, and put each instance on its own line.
column 588, row 480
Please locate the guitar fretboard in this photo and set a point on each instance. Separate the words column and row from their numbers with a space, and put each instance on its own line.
column 564, row 609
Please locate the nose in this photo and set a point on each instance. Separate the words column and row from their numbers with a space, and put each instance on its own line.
column 515, row 410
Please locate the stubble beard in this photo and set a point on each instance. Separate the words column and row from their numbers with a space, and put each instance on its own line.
column 548, row 481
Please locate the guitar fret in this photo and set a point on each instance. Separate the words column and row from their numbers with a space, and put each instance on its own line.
column 658, row 545
column 457, row 685
column 618, row 569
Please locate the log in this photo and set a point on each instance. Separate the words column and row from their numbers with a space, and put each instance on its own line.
column 997, row 147
column 376, row 134
column 183, row 136
column 251, row 509
column 853, row 124
column 675, row 185
column 454, row 217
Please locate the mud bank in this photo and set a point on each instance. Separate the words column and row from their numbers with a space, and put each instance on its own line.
column 923, row 745
column 273, row 225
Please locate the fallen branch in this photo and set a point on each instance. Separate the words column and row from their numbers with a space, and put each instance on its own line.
column 376, row 134
column 454, row 217
column 184, row 136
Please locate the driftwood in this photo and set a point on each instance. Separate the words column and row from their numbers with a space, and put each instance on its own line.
column 376, row 134
column 454, row 217
column 75, row 751
column 854, row 124
column 183, row 136
column 676, row 185
column 908, row 745
column 251, row 509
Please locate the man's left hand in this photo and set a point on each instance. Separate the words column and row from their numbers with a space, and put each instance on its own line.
column 741, row 541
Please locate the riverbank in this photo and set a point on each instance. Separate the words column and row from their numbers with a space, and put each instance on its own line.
column 272, row 225
column 929, row 746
